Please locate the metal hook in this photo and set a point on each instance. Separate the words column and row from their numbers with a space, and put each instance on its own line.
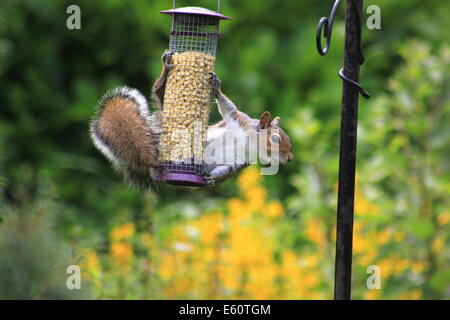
column 361, row 90
column 325, row 27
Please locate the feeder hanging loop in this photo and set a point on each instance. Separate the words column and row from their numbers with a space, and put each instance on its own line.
column 325, row 27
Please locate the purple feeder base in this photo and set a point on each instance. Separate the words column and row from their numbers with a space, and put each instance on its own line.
column 182, row 175
column 183, row 179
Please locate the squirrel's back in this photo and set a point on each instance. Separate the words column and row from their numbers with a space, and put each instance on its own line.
column 122, row 131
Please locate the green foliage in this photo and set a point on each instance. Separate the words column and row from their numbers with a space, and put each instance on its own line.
column 33, row 262
column 51, row 78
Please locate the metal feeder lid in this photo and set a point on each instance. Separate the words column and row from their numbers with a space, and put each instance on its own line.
column 196, row 10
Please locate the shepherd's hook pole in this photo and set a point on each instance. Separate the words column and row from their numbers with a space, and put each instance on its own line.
column 347, row 157
column 353, row 58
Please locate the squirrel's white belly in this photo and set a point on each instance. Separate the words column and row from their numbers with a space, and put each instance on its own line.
column 225, row 146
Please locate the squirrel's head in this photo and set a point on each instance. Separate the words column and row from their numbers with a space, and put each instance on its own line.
column 275, row 135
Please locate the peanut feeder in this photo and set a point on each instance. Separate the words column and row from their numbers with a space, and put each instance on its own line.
column 187, row 97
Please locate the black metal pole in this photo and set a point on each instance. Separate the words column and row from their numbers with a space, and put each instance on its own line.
column 347, row 158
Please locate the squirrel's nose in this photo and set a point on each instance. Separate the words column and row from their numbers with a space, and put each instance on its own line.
column 290, row 157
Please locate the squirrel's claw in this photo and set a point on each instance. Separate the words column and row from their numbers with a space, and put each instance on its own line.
column 165, row 58
column 215, row 83
column 209, row 180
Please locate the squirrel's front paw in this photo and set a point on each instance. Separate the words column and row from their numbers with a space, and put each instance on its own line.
column 166, row 57
column 215, row 83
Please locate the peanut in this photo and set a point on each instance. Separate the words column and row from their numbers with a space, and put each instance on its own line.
column 186, row 101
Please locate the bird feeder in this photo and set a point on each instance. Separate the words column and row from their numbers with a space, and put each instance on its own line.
column 187, row 96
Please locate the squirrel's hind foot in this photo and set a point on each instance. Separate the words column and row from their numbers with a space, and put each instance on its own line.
column 209, row 179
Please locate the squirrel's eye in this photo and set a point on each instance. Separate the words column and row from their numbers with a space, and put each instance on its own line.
column 275, row 138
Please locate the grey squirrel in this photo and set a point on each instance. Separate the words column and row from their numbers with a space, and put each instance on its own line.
column 128, row 135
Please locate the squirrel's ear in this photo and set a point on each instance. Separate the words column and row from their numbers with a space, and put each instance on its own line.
column 264, row 121
column 276, row 122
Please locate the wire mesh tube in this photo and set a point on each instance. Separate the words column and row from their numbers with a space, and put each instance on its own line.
column 186, row 107
column 187, row 97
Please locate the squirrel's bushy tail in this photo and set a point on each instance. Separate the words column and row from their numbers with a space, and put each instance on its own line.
column 122, row 131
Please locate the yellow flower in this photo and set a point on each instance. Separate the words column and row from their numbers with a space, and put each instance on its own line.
column 383, row 237
column 401, row 265
column 274, row 209
column 373, row 294
column 122, row 253
column 443, row 219
column 314, row 232
column 364, row 207
column 418, row 267
column 244, row 246
column 311, row 260
column 229, row 276
column 415, row 294
column 238, row 210
column 260, row 282
column 92, row 262
column 290, row 268
column 210, row 226
column 123, row 232
column 386, row 267
column 91, row 266
column 249, row 178
column 393, row 266
column 235, row 205
column 256, row 197
column 360, row 244
column 167, row 267
column 361, row 241
column 310, row 280
column 367, row 258
column 438, row 244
